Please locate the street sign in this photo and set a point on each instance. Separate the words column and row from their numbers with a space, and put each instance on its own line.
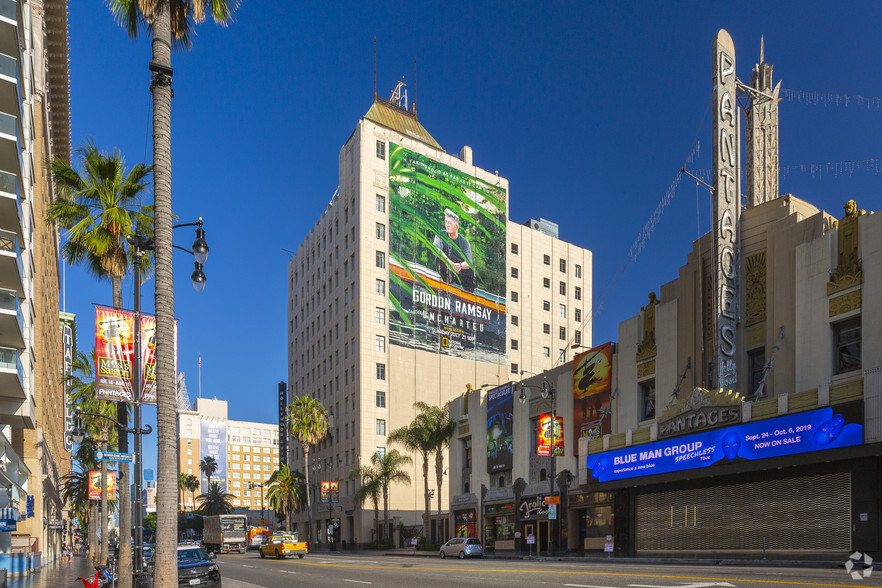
column 608, row 547
column 113, row 456
column 531, row 539
column 552, row 511
column 552, row 500
column 413, row 541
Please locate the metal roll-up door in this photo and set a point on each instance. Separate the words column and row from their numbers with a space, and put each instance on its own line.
column 808, row 513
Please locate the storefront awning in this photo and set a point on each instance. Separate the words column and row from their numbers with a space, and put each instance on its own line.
column 11, row 515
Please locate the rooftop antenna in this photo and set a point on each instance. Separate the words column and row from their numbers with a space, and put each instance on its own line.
column 200, row 375
column 414, row 87
column 762, row 49
column 375, row 67
column 399, row 95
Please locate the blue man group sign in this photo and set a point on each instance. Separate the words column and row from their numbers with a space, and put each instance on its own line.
column 798, row 433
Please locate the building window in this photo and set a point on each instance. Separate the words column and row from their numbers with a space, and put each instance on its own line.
column 381, row 426
column 381, row 452
column 578, row 293
column 514, row 343
column 381, row 399
column 578, row 271
column 381, row 205
column 546, row 352
column 563, row 265
column 381, row 343
column 514, row 272
column 514, row 296
column 381, row 259
column 847, row 345
column 562, row 309
column 514, row 319
column 381, row 231
column 546, row 259
column 546, row 328
column 577, row 337
column 578, row 317
column 756, row 364
column 563, row 333
column 381, row 316
column 563, row 288
column 381, row 149
column 647, row 400
column 381, row 287
column 514, row 368
column 514, row 248
column 562, row 356
column 546, row 282
column 381, row 371
column 546, row 305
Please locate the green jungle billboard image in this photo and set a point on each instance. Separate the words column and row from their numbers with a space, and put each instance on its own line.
column 446, row 259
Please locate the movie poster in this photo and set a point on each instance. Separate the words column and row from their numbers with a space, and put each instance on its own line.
column 499, row 428
column 545, row 436
column 95, row 485
column 592, row 379
column 447, row 272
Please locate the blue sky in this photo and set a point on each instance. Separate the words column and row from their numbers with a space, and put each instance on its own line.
column 588, row 109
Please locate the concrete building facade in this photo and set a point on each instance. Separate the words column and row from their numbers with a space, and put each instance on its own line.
column 349, row 347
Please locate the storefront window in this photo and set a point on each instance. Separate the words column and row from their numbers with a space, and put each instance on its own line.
column 466, row 523
column 499, row 524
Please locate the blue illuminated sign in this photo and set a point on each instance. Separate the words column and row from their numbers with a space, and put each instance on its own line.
column 788, row 435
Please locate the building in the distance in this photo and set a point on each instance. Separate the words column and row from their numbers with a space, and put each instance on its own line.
column 246, row 453
column 413, row 285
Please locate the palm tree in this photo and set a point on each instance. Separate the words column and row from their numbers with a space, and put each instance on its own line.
column 99, row 208
column 215, row 501
column 75, row 488
column 286, row 492
column 182, row 484
column 388, row 467
column 417, row 437
column 370, row 489
column 81, row 384
column 192, row 484
column 308, row 423
column 443, row 428
column 208, row 466
column 166, row 21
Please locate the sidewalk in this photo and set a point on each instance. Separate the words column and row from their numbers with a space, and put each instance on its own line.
column 59, row 574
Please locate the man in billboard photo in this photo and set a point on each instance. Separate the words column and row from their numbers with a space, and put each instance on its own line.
column 458, row 255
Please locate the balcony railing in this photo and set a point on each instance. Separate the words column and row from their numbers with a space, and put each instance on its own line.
column 7, row 125
column 9, row 360
column 8, row 66
column 8, row 9
column 9, row 301
column 8, row 242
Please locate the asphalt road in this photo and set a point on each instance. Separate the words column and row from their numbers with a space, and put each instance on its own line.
column 248, row 570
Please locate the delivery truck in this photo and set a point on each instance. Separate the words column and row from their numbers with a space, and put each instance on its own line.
column 224, row 533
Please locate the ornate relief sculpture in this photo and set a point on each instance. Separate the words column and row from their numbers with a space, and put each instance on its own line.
column 848, row 270
column 647, row 348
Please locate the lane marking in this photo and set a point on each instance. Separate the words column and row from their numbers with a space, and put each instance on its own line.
column 247, row 566
column 588, row 586
column 356, row 581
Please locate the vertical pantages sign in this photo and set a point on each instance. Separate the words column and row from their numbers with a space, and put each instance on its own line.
column 500, row 406
column 726, row 206
column 69, row 351
column 213, row 441
column 114, row 352
column 447, row 267
column 592, row 379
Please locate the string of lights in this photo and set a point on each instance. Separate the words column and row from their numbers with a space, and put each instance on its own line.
column 831, row 99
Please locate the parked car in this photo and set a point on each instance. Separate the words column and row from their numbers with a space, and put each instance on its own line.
column 282, row 545
column 197, row 568
column 147, row 554
column 462, row 547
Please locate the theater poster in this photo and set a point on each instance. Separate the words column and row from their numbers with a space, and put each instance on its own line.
column 326, row 491
column 545, row 436
column 114, row 353
column 592, row 383
column 499, row 428
column 95, row 485
column 447, row 267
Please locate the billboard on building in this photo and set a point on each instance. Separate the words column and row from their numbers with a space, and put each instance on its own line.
column 447, row 271
column 592, row 384
column 804, row 432
column 546, row 435
column 95, row 485
column 213, row 443
column 500, row 405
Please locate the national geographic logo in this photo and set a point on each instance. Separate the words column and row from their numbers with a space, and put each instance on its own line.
column 114, row 368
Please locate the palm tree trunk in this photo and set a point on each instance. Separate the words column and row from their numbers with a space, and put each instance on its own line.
column 426, row 495
column 166, row 570
column 376, row 521
column 93, row 530
column 439, row 477
column 385, row 511
column 308, row 493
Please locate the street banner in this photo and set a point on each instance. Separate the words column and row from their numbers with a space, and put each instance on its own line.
column 544, row 448
column 326, row 491
column 114, row 351
column 95, row 485
column 335, row 491
column 447, row 266
column 592, row 378
column 148, row 358
column 499, row 428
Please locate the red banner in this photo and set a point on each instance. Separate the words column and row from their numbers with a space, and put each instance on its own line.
column 545, row 436
column 95, row 485
column 592, row 377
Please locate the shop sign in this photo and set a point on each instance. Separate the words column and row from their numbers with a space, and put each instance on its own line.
column 465, row 516
column 496, row 509
column 464, row 499
column 55, row 524
column 701, row 419
column 533, row 508
column 591, row 498
column 552, row 500
column 805, row 432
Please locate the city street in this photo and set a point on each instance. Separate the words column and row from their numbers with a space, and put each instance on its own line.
column 247, row 570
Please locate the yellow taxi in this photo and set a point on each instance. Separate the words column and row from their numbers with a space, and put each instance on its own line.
column 283, row 544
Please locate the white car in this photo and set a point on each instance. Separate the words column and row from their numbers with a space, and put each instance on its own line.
column 462, row 547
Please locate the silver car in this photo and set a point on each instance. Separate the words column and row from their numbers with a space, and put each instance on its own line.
column 462, row 547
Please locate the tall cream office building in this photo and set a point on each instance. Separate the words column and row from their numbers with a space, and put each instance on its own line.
column 412, row 285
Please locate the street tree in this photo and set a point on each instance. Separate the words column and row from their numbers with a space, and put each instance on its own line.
column 370, row 488
column 443, row 427
column 286, row 492
column 418, row 437
column 192, row 484
column 208, row 466
column 389, row 471
column 308, row 423
column 214, row 501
